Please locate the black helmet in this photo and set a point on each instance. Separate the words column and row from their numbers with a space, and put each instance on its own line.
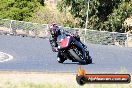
column 54, row 29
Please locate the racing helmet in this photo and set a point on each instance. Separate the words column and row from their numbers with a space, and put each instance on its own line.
column 54, row 29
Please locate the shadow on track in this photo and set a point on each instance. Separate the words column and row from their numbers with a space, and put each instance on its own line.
column 71, row 63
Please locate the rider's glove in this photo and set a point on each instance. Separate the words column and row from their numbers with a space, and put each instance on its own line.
column 55, row 49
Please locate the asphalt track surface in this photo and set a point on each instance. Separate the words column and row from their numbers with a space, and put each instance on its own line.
column 35, row 54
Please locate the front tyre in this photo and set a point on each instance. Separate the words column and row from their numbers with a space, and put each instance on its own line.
column 74, row 53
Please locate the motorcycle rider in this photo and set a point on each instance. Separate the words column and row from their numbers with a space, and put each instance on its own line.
column 55, row 31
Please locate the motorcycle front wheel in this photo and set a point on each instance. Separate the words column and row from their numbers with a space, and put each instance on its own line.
column 77, row 57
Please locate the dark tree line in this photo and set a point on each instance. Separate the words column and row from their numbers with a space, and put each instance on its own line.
column 106, row 15
column 19, row 9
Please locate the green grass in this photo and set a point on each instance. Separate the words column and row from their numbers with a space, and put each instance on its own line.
column 30, row 82
column 25, row 84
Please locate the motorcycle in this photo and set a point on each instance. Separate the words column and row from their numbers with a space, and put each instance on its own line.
column 70, row 48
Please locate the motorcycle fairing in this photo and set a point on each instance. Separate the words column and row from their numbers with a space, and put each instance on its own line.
column 64, row 42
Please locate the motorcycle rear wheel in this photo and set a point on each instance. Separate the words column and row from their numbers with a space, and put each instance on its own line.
column 89, row 59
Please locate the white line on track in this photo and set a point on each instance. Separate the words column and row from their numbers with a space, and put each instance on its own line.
column 5, row 57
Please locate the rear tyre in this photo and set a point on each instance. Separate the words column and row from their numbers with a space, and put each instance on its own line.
column 89, row 59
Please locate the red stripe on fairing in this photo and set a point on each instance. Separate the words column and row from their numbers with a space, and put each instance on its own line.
column 64, row 43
